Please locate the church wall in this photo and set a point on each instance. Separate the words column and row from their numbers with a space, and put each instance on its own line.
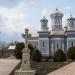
column 71, row 35
column 70, row 42
column 43, row 46
column 65, row 45
column 56, row 43
column 49, row 47
column 44, row 35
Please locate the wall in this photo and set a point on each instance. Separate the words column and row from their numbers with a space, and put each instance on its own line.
column 43, row 46
column 57, row 43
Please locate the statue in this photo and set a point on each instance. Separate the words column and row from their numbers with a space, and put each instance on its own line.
column 25, row 68
column 26, row 53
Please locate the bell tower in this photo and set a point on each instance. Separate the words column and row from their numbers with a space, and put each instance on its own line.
column 71, row 23
column 44, row 22
column 56, row 19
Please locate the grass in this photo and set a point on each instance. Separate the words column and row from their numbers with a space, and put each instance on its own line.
column 43, row 68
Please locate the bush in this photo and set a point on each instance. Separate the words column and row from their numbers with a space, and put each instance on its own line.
column 31, row 49
column 69, row 60
column 18, row 50
column 59, row 56
column 36, row 55
column 71, row 53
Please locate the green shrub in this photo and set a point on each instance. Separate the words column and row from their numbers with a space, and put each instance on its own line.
column 71, row 53
column 36, row 55
column 59, row 56
column 69, row 60
column 31, row 49
column 18, row 50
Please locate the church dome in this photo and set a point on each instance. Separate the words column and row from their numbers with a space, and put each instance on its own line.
column 44, row 19
column 56, row 12
column 44, row 22
column 71, row 17
column 56, row 20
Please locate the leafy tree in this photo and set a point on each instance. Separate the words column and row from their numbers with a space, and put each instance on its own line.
column 59, row 56
column 18, row 50
column 71, row 53
column 36, row 55
column 31, row 48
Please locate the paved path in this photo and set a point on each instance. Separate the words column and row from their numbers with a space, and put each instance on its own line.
column 8, row 65
column 66, row 70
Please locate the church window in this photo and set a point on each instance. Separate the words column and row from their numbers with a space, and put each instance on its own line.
column 72, row 44
column 43, row 44
column 57, row 45
column 35, row 46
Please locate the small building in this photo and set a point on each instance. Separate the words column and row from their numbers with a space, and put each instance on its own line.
column 11, row 50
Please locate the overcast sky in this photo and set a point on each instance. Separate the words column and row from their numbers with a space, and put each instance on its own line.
column 15, row 15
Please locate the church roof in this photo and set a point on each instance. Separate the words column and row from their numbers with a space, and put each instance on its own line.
column 11, row 47
column 71, row 17
column 33, row 38
column 70, row 32
column 57, row 36
column 56, row 11
column 60, row 32
column 44, row 19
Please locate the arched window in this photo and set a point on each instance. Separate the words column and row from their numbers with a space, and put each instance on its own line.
column 57, row 45
column 43, row 44
column 72, row 44
column 35, row 46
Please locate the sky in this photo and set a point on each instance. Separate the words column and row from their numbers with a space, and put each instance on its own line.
column 16, row 15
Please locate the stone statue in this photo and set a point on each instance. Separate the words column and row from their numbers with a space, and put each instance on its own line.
column 26, row 54
column 25, row 66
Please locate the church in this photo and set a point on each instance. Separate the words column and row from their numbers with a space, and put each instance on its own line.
column 48, row 41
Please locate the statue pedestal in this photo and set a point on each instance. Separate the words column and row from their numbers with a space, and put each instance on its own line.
column 24, row 72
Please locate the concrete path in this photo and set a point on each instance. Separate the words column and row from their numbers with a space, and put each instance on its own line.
column 7, row 66
column 66, row 70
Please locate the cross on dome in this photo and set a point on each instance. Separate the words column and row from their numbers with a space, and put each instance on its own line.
column 44, row 19
column 70, row 15
column 56, row 9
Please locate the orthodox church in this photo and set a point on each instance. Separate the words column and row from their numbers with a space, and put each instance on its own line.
column 48, row 41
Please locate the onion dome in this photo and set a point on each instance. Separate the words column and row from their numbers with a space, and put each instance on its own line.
column 44, row 19
column 56, row 12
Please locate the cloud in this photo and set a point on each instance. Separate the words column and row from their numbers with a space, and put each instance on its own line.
column 9, row 3
column 13, row 19
column 68, row 8
column 13, row 3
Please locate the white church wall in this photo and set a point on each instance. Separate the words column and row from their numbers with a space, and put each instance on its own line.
column 69, row 42
column 43, row 46
column 52, row 50
column 56, row 43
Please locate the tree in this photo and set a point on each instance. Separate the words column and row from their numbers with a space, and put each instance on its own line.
column 31, row 48
column 71, row 53
column 59, row 56
column 36, row 55
column 18, row 50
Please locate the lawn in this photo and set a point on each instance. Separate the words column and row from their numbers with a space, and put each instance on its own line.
column 43, row 68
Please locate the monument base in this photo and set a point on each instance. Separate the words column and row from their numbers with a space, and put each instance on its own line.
column 24, row 72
